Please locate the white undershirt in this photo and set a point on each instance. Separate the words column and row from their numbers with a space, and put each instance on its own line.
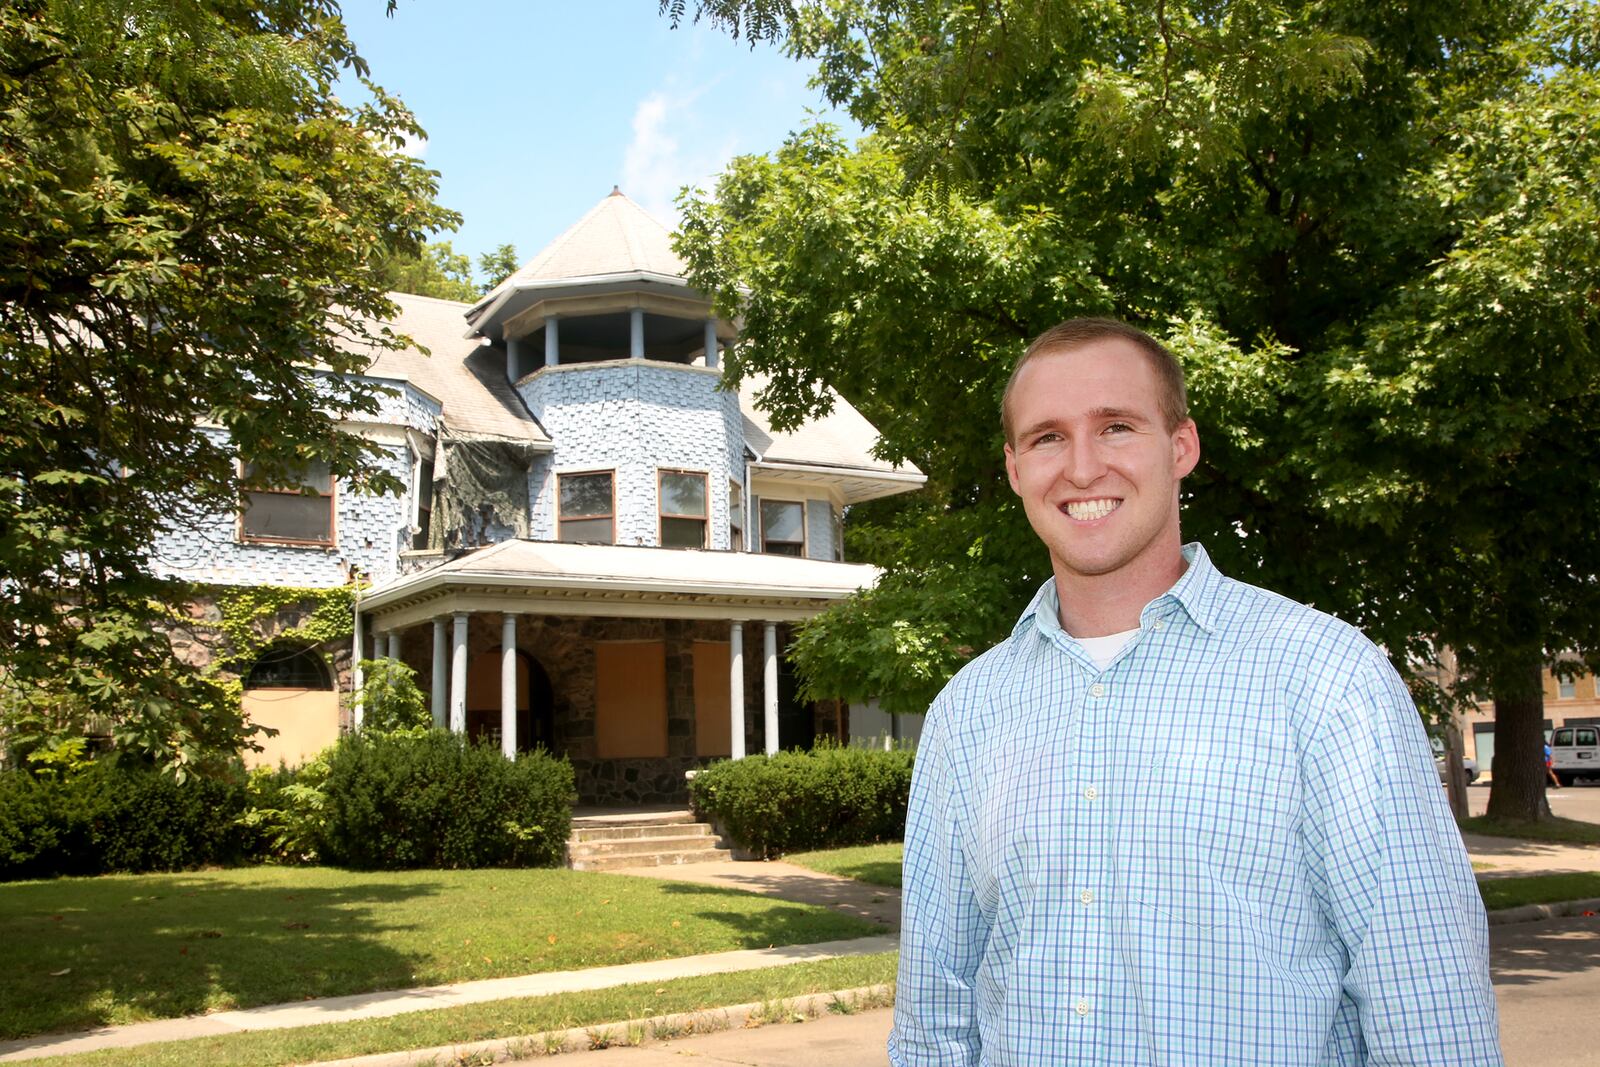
column 1104, row 649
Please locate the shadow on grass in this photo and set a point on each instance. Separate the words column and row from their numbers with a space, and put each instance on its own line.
column 854, row 909
column 877, row 872
column 85, row 952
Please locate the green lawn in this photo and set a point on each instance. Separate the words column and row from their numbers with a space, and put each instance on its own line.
column 502, row 1018
column 1537, row 889
column 91, row 951
column 1561, row 831
column 877, row 864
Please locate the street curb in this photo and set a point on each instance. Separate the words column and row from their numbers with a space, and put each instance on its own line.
column 1528, row 913
column 630, row 1032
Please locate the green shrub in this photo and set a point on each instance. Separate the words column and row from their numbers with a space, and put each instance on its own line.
column 793, row 801
column 107, row 817
column 389, row 697
column 428, row 798
column 285, row 811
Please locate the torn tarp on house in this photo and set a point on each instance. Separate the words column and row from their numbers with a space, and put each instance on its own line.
column 480, row 491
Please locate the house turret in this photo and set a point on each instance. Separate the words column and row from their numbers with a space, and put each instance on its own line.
column 616, row 356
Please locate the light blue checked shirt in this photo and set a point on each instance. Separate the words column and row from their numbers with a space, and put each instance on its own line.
column 1227, row 848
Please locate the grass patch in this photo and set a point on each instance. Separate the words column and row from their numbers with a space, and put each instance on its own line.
column 877, row 864
column 88, row 952
column 1513, row 892
column 505, row 1018
column 1556, row 829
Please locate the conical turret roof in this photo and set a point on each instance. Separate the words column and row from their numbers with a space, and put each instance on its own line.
column 616, row 236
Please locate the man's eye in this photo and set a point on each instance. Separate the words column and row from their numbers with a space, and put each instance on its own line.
column 1047, row 439
column 1118, row 427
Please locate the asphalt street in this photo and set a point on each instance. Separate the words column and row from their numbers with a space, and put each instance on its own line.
column 1546, row 974
column 1580, row 802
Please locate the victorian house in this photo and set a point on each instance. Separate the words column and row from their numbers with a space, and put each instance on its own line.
column 600, row 551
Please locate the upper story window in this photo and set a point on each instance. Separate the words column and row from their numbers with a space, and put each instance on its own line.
column 1567, row 688
column 424, row 492
column 735, row 516
column 836, row 525
column 588, row 507
column 300, row 513
column 683, row 509
column 783, row 527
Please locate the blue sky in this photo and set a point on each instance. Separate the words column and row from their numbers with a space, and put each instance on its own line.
column 535, row 108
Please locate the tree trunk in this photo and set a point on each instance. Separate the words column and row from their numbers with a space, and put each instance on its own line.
column 1455, row 773
column 1517, row 790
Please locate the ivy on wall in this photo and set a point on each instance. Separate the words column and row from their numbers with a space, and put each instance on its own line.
column 243, row 610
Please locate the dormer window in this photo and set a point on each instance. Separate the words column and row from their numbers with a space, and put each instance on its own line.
column 683, row 509
column 783, row 527
column 298, row 513
column 588, row 507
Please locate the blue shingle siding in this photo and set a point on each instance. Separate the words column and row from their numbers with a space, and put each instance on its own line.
column 635, row 419
column 368, row 531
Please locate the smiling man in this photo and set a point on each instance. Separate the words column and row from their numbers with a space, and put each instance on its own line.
column 1173, row 819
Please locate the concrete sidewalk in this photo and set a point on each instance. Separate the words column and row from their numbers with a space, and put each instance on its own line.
column 1510, row 856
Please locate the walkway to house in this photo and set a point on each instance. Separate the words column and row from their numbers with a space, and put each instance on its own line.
column 1499, row 857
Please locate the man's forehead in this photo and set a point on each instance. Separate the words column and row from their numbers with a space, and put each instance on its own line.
column 1108, row 374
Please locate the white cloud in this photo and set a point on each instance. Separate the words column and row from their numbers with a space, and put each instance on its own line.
column 672, row 146
column 414, row 146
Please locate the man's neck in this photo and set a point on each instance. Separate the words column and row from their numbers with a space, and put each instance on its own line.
column 1101, row 604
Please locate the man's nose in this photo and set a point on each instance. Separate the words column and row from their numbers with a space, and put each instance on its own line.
column 1084, row 465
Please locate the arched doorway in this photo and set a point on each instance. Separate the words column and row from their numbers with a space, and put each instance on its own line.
column 290, row 689
column 535, row 701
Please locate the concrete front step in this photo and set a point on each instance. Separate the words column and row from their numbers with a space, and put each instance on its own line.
column 652, row 831
column 648, row 859
column 640, row 845
column 608, row 840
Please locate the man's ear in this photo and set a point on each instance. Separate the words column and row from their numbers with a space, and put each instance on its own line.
column 1185, row 448
column 1011, row 470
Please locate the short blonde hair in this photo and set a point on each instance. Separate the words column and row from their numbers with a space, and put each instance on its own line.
column 1075, row 333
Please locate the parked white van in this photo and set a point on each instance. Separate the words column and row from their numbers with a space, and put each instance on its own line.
column 1575, row 753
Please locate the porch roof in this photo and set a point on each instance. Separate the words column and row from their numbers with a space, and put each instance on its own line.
column 555, row 578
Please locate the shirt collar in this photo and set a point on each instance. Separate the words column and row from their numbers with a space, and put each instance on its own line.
column 1195, row 592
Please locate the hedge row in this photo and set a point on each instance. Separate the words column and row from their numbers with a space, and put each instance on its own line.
column 793, row 801
column 418, row 798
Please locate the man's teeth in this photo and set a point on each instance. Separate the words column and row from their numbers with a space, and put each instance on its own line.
column 1089, row 510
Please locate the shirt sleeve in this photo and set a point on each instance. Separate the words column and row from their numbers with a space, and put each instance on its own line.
column 1394, row 881
column 942, row 934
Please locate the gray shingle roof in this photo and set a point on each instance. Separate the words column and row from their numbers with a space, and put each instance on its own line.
column 469, row 379
column 616, row 236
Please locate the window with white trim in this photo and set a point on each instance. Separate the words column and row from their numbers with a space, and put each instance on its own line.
column 735, row 516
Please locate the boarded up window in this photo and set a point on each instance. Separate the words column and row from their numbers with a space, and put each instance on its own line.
column 712, row 729
column 630, row 699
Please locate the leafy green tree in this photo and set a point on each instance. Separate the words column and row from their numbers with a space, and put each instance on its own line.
column 389, row 697
column 438, row 270
column 1370, row 235
column 497, row 266
column 193, row 229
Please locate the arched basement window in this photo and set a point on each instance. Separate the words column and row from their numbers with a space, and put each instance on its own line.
column 288, row 668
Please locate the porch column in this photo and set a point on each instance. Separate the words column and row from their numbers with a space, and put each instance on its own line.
column 770, row 690
column 357, row 676
column 736, row 689
column 552, row 341
column 458, row 676
column 711, row 343
column 508, row 685
column 441, row 674
column 513, row 359
column 636, row 333
column 394, row 645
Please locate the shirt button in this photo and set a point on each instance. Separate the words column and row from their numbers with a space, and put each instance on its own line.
column 1158, row 625
column 1082, row 1007
column 1086, row 896
column 1097, row 690
column 1090, row 793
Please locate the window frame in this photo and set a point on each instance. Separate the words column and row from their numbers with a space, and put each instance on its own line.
column 1566, row 689
column 736, row 533
column 662, row 515
column 245, row 537
column 804, row 542
column 561, row 519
